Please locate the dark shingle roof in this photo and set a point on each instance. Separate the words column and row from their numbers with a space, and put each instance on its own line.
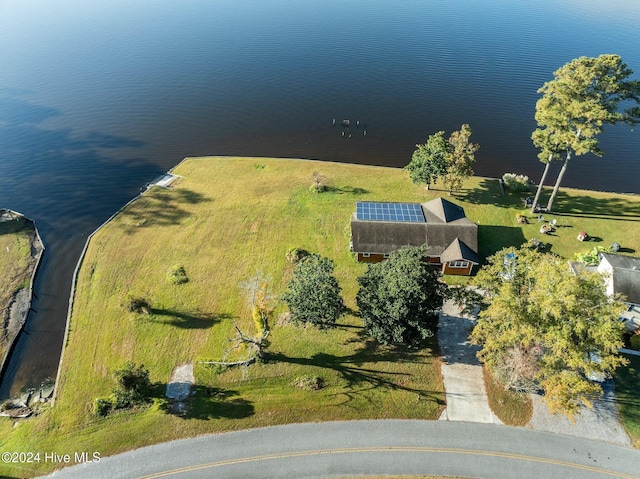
column 445, row 222
column 458, row 250
column 622, row 261
column 627, row 282
column 443, row 210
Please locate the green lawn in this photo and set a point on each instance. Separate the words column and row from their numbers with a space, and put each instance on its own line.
column 226, row 219
column 512, row 408
column 628, row 397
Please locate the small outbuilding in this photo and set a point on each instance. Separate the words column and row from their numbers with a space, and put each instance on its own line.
column 378, row 228
column 622, row 276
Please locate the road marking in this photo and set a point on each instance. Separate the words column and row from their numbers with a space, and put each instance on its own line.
column 286, row 455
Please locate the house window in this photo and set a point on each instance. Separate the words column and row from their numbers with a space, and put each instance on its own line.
column 366, row 255
column 386, row 255
column 458, row 264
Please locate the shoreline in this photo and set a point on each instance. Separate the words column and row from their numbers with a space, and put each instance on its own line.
column 20, row 305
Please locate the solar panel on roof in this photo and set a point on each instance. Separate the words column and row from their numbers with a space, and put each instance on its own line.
column 402, row 212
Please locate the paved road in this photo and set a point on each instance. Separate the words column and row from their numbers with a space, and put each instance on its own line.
column 338, row 449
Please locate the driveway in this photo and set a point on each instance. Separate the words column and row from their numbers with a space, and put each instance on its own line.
column 601, row 422
column 461, row 371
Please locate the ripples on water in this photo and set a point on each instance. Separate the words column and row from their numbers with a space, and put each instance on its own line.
column 96, row 98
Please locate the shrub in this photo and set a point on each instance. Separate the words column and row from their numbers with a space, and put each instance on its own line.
column 138, row 304
column 103, row 406
column 591, row 257
column 295, row 255
column 309, row 383
column 319, row 183
column 177, row 275
column 634, row 342
column 134, row 386
column 515, row 182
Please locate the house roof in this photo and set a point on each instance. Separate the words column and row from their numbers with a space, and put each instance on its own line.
column 442, row 211
column 445, row 222
column 625, row 275
column 621, row 261
column 627, row 282
column 458, row 250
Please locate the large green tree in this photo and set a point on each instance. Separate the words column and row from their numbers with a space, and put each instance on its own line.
column 541, row 320
column 313, row 294
column 461, row 158
column 585, row 95
column 449, row 159
column 399, row 297
column 429, row 161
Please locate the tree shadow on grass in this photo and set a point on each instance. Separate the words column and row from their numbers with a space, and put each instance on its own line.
column 584, row 206
column 360, row 379
column 207, row 403
column 161, row 206
column 492, row 239
column 488, row 193
column 185, row 320
column 351, row 190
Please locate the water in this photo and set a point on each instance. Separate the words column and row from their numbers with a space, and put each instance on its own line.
column 97, row 98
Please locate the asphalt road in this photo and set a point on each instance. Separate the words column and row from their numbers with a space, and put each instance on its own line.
column 335, row 449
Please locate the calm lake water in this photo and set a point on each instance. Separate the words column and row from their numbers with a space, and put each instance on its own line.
column 97, row 98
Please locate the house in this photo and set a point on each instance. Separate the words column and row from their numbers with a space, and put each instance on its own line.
column 622, row 276
column 379, row 228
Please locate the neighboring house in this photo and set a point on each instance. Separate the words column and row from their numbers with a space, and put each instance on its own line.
column 377, row 229
column 622, row 276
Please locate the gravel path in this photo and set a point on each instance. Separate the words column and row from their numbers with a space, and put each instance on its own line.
column 599, row 423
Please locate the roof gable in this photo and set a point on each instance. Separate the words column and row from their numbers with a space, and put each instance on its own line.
column 444, row 210
column 458, row 250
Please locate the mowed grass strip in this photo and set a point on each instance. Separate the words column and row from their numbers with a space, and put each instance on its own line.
column 628, row 397
column 514, row 409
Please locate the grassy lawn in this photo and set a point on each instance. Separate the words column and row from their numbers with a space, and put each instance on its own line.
column 226, row 219
column 16, row 266
column 628, row 397
column 512, row 408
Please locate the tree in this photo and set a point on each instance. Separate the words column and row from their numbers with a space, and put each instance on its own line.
column 550, row 150
column 558, row 328
column 450, row 159
column 134, row 386
column 584, row 95
column 262, row 302
column 399, row 297
column 313, row 294
column 429, row 161
column 461, row 158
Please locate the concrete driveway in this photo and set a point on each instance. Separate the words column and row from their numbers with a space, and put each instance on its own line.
column 461, row 371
